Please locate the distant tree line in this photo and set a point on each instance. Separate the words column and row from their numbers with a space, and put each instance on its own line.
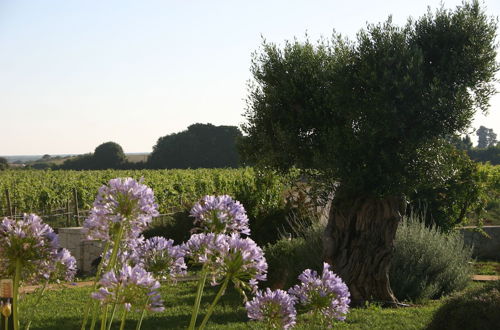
column 200, row 146
column 487, row 149
column 209, row 146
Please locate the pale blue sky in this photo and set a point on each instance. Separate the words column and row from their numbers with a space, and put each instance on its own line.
column 75, row 74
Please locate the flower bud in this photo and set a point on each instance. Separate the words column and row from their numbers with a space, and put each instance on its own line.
column 6, row 309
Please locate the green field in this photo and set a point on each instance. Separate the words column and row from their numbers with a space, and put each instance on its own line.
column 63, row 310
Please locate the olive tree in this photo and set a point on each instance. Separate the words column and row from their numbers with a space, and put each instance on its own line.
column 371, row 115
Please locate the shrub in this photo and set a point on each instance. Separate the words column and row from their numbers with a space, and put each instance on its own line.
column 476, row 308
column 177, row 227
column 427, row 263
column 288, row 257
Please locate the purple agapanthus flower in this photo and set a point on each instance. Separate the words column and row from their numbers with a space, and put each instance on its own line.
column 64, row 266
column 327, row 294
column 205, row 248
column 161, row 258
column 30, row 242
column 244, row 261
column 123, row 203
column 220, row 215
column 229, row 255
column 130, row 287
column 275, row 308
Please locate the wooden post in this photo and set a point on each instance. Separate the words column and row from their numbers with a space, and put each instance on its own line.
column 68, row 214
column 75, row 199
column 9, row 205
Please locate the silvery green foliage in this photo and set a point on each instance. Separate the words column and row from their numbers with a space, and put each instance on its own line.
column 428, row 263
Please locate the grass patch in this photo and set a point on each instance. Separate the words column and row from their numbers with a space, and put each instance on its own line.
column 487, row 268
column 63, row 309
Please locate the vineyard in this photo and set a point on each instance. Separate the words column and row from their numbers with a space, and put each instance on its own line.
column 59, row 192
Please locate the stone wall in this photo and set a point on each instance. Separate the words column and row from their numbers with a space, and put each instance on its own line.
column 85, row 252
column 484, row 248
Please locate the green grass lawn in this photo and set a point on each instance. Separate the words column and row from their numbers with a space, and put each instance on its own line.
column 63, row 309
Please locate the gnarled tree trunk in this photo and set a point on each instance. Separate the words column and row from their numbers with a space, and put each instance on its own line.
column 358, row 243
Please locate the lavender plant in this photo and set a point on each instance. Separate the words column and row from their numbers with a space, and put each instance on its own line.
column 276, row 309
column 326, row 295
column 29, row 253
column 122, row 210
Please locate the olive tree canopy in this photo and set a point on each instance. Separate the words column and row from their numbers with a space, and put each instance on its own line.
column 372, row 114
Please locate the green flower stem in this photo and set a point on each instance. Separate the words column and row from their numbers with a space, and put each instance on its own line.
column 113, row 311
column 94, row 315
column 104, row 317
column 199, row 293
column 216, row 300
column 17, row 280
column 37, row 302
column 114, row 307
column 91, row 302
column 116, row 248
column 6, row 323
column 111, row 266
column 124, row 317
column 139, row 324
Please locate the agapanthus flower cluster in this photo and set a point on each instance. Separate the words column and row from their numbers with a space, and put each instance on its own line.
column 64, row 266
column 205, row 248
column 29, row 243
column 123, row 203
column 160, row 257
column 327, row 294
column 239, row 258
column 130, row 287
column 275, row 308
column 244, row 261
column 220, row 215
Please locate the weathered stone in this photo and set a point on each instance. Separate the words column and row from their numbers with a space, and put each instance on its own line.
column 84, row 251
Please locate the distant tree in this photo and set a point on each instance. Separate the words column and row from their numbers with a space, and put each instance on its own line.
column 461, row 143
column 81, row 162
column 4, row 164
column 370, row 115
column 200, row 146
column 46, row 157
column 486, row 137
column 42, row 165
column 483, row 155
column 109, row 155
